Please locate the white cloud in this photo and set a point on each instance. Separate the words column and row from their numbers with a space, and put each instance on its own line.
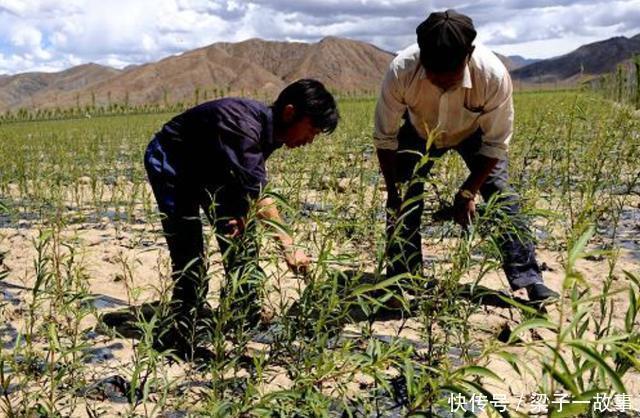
column 26, row 38
column 15, row 7
column 38, row 34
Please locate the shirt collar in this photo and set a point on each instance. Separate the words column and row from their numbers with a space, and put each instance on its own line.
column 422, row 74
column 466, row 78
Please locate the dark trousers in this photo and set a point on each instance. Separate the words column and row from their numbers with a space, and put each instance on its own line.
column 404, row 248
column 180, row 199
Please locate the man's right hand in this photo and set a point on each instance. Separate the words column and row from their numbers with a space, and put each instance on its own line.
column 387, row 160
column 235, row 227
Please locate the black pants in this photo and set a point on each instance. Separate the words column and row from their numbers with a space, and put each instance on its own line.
column 180, row 200
column 404, row 248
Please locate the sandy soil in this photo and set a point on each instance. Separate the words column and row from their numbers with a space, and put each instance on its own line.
column 129, row 265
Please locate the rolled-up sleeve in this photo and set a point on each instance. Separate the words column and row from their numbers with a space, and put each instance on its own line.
column 496, row 121
column 389, row 110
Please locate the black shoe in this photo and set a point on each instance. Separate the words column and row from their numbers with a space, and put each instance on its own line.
column 538, row 292
column 170, row 341
column 247, row 321
column 172, row 338
column 173, row 346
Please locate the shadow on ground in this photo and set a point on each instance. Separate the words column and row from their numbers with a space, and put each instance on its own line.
column 363, row 301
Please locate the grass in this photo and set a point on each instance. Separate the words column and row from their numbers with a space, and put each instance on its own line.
column 573, row 159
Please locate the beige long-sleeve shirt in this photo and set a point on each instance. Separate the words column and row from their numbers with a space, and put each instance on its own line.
column 482, row 100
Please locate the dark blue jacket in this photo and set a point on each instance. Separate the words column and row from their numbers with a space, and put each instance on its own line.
column 222, row 142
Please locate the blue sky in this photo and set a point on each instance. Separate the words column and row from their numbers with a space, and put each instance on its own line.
column 51, row 35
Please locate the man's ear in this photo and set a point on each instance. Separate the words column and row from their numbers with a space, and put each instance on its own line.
column 288, row 113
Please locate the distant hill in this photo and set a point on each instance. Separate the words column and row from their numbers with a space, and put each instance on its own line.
column 591, row 59
column 505, row 60
column 23, row 90
column 513, row 62
column 254, row 67
column 519, row 62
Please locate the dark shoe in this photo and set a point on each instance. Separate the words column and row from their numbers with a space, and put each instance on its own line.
column 173, row 339
column 175, row 346
column 169, row 340
column 204, row 311
column 538, row 292
column 249, row 321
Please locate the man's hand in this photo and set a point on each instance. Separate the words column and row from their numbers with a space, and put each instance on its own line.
column 297, row 260
column 235, row 227
column 464, row 209
column 387, row 160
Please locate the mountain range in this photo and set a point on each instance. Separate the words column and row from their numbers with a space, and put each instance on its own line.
column 254, row 67
column 588, row 60
column 261, row 68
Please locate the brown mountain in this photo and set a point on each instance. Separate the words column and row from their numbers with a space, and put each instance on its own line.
column 279, row 58
column 254, row 67
column 518, row 62
column 591, row 59
column 24, row 90
column 342, row 64
column 506, row 61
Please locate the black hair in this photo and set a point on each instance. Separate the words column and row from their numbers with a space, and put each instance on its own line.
column 445, row 40
column 309, row 98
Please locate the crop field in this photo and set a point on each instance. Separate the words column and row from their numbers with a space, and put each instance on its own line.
column 80, row 239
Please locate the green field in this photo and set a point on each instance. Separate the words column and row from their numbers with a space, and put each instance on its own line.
column 335, row 348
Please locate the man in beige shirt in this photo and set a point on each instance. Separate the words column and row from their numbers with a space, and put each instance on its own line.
column 460, row 96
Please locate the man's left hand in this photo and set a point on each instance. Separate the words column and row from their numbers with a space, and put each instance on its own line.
column 297, row 260
column 464, row 209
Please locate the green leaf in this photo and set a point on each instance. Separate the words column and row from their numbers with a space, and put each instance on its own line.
column 632, row 277
column 569, row 410
column 489, row 396
column 631, row 356
column 596, row 358
column 611, row 339
column 512, row 359
column 632, row 311
column 522, row 307
column 564, row 379
column 578, row 247
column 478, row 371
column 366, row 288
column 530, row 324
column 278, row 227
column 575, row 409
column 578, row 316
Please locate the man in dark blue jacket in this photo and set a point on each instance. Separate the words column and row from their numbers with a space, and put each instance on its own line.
column 213, row 157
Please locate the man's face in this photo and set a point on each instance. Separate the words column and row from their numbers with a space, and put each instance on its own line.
column 447, row 80
column 300, row 133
